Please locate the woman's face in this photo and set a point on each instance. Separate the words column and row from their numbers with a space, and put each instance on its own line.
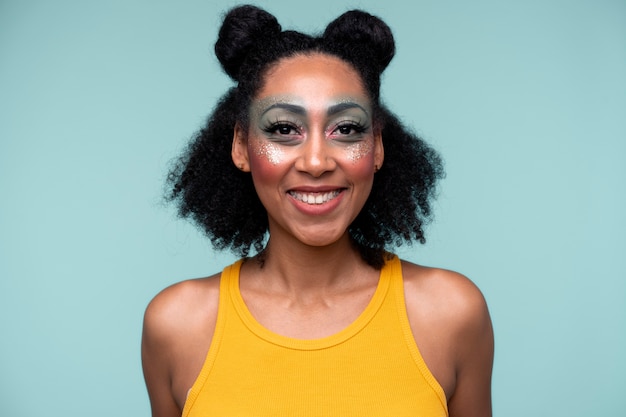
column 311, row 147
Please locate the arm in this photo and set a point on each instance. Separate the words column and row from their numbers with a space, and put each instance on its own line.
column 474, row 359
column 450, row 321
column 177, row 332
column 156, row 353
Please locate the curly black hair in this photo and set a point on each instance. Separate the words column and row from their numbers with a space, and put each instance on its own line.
column 210, row 190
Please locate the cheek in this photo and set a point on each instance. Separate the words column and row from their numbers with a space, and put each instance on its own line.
column 363, row 168
column 271, row 152
column 359, row 159
column 266, row 161
column 262, row 169
column 360, row 150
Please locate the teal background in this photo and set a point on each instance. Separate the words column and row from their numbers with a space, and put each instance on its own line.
column 525, row 100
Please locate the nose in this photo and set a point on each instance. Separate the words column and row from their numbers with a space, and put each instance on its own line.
column 316, row 156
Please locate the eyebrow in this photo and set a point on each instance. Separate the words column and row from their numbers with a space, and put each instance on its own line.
column 338, row 108
column 292, row 108
column 332, row 110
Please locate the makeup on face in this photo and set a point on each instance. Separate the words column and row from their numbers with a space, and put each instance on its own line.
column 283, row 122
column 271, row 151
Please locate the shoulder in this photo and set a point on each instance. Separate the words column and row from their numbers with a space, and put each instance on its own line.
column 444, row 295
column 451, row 324
column 181, row 306
column 177, row 332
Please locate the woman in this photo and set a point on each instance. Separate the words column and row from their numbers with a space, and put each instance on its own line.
column 302, row 164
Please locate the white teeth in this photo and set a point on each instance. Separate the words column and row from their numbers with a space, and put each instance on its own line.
column 314, row 198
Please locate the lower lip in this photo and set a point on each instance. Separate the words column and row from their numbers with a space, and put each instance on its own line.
column 317, row 209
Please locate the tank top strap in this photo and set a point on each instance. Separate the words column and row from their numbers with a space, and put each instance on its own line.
column 397, row 293
column 229, row 273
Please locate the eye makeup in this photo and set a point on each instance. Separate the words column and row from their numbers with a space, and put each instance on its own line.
column 284, row 121
column 271, row 107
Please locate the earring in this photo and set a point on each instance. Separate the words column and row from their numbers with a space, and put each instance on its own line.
column 241, row 167
column 376, row 168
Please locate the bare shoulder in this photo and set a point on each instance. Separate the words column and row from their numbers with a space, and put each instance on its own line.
column 444, row 294
column 182, row 305
column 452, row 327
column 180, row 317
column 177, row 332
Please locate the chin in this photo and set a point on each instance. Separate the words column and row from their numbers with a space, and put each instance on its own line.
column 323, row 239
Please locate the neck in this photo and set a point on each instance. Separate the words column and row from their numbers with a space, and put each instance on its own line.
column 295, row 267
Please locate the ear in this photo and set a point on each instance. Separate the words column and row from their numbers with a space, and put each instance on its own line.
column 239, row 151
column 379, row 150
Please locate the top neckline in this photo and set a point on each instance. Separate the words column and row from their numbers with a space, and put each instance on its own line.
column 309, row 344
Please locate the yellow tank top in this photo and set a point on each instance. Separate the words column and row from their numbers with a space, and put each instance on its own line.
column 371, row 368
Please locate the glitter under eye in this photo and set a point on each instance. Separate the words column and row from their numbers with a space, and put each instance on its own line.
column 269, row 150
column 358, row 150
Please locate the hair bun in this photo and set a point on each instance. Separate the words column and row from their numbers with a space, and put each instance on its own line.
column 357, row 29
column 241, row 28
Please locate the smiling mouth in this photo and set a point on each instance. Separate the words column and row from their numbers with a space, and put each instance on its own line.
column 314, row 198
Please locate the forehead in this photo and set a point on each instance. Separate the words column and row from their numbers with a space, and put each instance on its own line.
column 312, row 75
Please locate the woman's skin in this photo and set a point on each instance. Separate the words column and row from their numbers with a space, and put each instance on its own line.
column 313, row 149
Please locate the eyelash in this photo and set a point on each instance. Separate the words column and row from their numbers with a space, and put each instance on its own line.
column 355, row 127
column 275, row 127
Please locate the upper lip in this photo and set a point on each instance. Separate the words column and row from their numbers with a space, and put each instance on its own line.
column 315, row 189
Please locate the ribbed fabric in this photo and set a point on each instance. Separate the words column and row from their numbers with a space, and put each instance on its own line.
column 371, row 368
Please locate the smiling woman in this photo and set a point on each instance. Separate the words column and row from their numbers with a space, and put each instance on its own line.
column 302, row 164
column 316, row 120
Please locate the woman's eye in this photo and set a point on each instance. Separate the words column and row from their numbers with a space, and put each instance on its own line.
column 349, row 129
column 282, row 129
column 345, row 130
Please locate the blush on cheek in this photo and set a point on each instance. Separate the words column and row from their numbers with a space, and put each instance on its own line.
column 263, row 168
column 363, row 167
